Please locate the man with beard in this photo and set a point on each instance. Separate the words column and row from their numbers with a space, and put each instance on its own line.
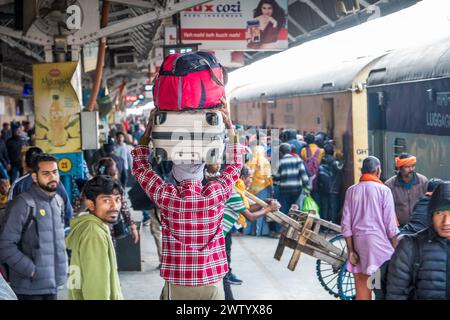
column 407, row 187
column 93, row 266
column 25, row 182
column 32, row 239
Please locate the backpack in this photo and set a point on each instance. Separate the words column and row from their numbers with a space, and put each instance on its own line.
column 312, row 165
column 192, row 80
column 380, row 292
column 324, row 179
column 31, row 218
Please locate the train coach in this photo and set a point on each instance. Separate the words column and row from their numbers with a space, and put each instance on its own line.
column 379, row 105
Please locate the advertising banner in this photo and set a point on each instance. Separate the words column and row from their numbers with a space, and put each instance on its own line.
column 57, row 107
column 237, row 25
column 170, row 35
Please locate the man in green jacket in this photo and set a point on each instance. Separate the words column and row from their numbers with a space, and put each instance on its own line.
column 93, row 267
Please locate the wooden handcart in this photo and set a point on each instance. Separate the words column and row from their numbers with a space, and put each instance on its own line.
column 304, row 233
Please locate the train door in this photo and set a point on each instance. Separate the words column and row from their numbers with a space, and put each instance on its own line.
column 327, row 124
column 377, row 127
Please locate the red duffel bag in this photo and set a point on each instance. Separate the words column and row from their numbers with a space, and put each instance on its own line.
column 194, row 80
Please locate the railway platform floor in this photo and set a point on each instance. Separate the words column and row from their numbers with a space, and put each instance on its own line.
column 264, row 278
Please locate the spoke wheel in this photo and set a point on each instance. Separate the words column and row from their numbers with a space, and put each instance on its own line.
column 346, row 284
column 327, row 274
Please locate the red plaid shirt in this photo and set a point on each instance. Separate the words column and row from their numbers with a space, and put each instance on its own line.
column 193, row 246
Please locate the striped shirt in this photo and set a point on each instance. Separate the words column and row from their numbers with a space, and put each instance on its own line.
column 193, row 245
column 291, row 175
column 233, row 208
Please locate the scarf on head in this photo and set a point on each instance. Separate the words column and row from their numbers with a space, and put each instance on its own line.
column 370, row 177
column 182, row 172
column 405, row 162
column 261, row 170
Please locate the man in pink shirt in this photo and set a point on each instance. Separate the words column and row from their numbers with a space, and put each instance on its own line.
column 369, row 226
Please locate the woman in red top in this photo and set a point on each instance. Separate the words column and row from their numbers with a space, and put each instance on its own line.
column 272, row 19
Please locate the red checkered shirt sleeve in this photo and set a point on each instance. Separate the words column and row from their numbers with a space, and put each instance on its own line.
column 158, row 191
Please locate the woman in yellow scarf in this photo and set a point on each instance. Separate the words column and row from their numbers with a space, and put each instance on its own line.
column 260, row 187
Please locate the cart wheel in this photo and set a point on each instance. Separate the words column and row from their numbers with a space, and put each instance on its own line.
column 327, row 274
column 346, row 284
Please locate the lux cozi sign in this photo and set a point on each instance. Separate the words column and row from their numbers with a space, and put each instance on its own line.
column 221, row 8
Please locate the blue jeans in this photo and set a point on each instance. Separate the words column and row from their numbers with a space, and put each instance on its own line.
column 260, row 226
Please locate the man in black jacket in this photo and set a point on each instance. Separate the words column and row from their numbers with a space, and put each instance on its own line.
column 419, row 217
column 329, row 183
column 14, row 146
column 419, row 267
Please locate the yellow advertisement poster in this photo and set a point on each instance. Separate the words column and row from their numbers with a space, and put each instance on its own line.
column 57, row 107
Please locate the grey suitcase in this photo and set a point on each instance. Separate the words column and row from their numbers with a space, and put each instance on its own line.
column 189, row 136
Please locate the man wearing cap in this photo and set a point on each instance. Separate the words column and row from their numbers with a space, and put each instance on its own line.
column 407, row 186
column 194, row 260
column 419, row 268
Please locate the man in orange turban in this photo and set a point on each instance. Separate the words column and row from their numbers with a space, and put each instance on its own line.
column 407, row 186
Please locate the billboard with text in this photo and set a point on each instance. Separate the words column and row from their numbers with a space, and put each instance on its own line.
column 237, row 25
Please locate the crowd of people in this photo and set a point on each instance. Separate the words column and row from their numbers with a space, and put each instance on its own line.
column 397, row 230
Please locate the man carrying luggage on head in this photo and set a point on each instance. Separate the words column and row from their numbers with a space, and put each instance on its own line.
column 194, row 260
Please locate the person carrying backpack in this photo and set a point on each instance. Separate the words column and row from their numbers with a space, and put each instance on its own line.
column 329, row 185
column 32, row 238
column 418, row 270
column 312, row 154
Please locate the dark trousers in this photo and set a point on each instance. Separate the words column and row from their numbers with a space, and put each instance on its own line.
column 37, row 297
column 286, row 199
column 329, row 207
column 226, row 285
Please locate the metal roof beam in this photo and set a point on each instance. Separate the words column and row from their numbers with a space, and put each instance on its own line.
column 291, row 37
column 137, row 3
column 316, row 9
column 297, row 25
column 21, row 47
column 143, row 19
column 120, row 45
column 138, row 46
column 118, row 13
column 118, row 39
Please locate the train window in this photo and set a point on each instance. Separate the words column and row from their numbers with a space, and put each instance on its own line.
column 289, row 119
column 289, row 108
column 399, row 146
